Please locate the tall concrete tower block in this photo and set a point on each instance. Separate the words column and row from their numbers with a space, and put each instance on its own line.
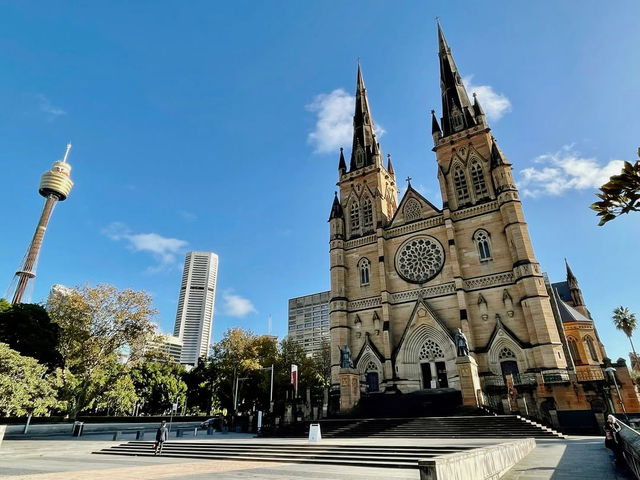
column 55, row 186
column 194, row 317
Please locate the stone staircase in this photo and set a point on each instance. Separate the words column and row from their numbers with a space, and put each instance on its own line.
column 380, row 456
column 496, row 426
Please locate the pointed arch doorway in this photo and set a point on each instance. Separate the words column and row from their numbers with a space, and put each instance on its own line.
column 432, row 366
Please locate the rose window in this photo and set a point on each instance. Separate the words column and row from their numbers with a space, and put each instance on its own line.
column 419, row 259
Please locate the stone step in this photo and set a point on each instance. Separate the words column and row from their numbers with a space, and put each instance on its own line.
column 354, row 455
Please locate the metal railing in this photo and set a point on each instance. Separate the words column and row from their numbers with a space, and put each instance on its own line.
column 555, row 376
column 519, row 379
column 628, row 440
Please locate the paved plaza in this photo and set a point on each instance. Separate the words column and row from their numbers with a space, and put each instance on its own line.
column 71, row 459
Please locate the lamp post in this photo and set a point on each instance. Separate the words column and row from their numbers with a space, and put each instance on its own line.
column 611, row 371
column 271, row 390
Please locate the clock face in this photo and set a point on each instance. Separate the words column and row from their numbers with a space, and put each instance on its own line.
column 419, row 259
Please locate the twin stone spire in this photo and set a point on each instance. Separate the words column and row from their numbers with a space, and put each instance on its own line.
column 458, row 114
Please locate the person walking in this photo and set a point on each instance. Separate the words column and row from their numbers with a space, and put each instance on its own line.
column 611, row 429
column 162, row 435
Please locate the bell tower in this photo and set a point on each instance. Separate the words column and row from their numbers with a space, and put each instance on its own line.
column 476, row 184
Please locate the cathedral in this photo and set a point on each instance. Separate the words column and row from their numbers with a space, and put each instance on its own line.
column 409, row 279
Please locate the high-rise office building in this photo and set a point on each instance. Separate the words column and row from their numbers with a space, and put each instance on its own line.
column 309, row 320
column 194, row 317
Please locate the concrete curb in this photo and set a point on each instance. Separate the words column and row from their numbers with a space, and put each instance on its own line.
column 487, row 463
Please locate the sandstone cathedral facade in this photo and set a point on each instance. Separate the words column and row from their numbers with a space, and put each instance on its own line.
column 406, row 275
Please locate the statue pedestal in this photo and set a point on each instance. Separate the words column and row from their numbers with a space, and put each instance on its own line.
column 469, row 380
column 349, row 388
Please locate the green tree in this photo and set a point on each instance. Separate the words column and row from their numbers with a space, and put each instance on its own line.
column 99, row 325
column 621, row 194
column 25, row 386
column 27, row 328
column 626, row 321
column 158, row 385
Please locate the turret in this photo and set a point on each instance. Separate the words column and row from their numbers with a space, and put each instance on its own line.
column 365, row 149
column 342, row 165
column 574, row 288
column 436, row 133
column 336, row 219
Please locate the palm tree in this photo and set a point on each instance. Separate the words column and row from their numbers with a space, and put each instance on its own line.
column 624, row 320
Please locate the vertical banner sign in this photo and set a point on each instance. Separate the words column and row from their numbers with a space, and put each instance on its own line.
column 294, row 378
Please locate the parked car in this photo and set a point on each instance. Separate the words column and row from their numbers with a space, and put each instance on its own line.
column 215, row 422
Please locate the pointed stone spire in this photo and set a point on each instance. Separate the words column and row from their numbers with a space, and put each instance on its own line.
column 497, row 158
column 365, row 149
column 456, row 108
column 436, row 133
column 574, row 289
column 336, row 208
column 477, row 109
column 342, row 165
column 390, row 166
column 571, row 278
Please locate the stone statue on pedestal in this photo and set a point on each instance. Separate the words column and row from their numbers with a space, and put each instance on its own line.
column 462, row 346
column 345, row 357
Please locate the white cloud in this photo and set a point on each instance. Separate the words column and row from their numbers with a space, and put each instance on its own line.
column 495, row 105
column 188, row 216
column 48, row 108
column 565, row 170
column 237, row 306
column 163, row 249
column 334, row 123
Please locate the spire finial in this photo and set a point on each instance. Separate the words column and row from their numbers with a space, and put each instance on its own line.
column 409, row 181
column 66, row 154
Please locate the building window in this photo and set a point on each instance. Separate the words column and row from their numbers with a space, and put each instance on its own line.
column 481, row 239
column 573, row 348
column 591, row 348
column 412, row 210
column 460, row 183
column 457, row 121
column 477, row 178
column 354, row 214
column 365, row 267
column 367, row 214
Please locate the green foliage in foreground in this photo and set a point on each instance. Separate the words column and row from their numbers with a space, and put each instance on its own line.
column 25, row 386
column 621, row 194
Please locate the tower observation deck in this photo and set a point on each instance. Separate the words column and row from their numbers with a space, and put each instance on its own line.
column 55, row 186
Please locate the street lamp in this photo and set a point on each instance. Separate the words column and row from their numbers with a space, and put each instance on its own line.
column 271, row 391
column 612, row 371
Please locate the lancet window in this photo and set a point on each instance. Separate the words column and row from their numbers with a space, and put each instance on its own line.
column 460, row 184
column 477, row 178
column 573, row 348
column 483, row 244
column 354, row 214
column 367, row 214
column 592, row 349
column 365, row 269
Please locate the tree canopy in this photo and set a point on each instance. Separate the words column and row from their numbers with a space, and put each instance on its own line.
column 27, row 328
column 621, row 194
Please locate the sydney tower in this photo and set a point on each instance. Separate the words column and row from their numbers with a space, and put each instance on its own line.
column 55, row 186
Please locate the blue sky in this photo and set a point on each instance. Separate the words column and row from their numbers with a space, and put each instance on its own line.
column 212, row 126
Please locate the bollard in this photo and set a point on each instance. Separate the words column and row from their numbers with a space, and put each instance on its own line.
column 209, row 430
column 179, row 432
column 140, row 435
column 117, row 435
column 195, row 432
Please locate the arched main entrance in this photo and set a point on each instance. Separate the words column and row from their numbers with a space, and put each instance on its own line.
column 432, row 366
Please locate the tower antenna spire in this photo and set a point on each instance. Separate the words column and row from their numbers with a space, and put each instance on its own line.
column 66, row 154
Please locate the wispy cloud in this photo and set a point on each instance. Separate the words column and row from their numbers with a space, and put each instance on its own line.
column 188, row 216
column 163, row 249
column 334, row 124
column 237, row 306
column 46, row 107
column 495, row 105
column 565, row 170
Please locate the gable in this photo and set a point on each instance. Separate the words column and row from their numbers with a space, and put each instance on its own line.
column 413, row 207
